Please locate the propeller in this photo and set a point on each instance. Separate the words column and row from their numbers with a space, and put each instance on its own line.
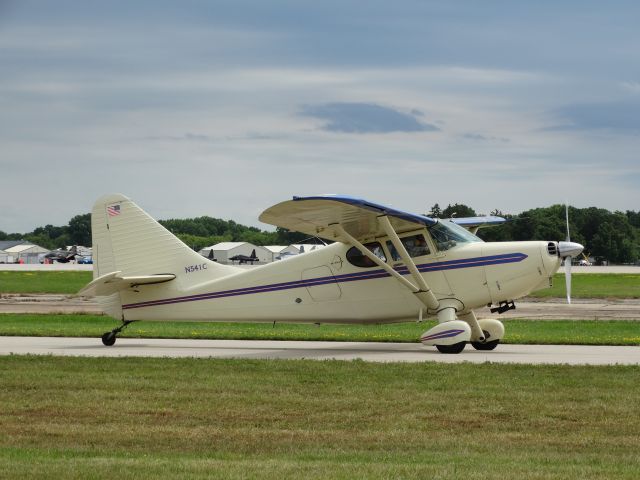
column 568, row 250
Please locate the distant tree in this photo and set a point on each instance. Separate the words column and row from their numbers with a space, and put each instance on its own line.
column 458, row 210
column 435, row 211
column 41, row 240
column 287, row 237
column 634, row 218
column 79, row 230
column 50, row 231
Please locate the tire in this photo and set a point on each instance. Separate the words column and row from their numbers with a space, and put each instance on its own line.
column 109, row 339
column 486, row 345
column 455, row 348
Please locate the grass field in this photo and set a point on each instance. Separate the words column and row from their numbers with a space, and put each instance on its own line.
column 198, row 418
column 583, row 285
column 517, row 331
column 594, row 285
column 43, row 282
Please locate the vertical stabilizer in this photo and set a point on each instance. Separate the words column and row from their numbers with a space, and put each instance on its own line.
column 127, row 240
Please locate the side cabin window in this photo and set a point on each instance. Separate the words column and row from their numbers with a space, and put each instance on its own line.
column 357, row 258
column 415, row 245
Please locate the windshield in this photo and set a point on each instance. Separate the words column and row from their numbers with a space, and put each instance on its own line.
column 447, row 235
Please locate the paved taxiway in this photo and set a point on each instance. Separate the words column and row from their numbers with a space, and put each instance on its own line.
column 262, row 349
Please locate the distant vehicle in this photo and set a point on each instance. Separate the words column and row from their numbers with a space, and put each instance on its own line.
column 85, row 260
column 61, row 255
column 584, row 263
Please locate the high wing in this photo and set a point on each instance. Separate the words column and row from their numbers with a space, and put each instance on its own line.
column 317, row 215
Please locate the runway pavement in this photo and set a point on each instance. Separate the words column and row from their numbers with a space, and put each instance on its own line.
column 373, row 352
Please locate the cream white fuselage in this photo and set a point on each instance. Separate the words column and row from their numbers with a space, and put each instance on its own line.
column 322, row 286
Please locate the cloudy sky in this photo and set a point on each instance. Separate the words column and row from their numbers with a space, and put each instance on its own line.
column 224, row 108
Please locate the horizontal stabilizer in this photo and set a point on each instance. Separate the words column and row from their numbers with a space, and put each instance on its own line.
column 113, row 282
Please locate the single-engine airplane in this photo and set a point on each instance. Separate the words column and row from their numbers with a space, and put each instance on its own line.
column 385, row 266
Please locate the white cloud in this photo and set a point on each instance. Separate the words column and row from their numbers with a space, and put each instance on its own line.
column 633, row 87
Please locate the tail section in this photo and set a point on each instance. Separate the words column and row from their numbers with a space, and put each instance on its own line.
column 128, row 241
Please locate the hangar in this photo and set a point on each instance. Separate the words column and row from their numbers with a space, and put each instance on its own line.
column 278, row 251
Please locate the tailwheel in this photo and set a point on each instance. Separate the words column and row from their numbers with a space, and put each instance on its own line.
column 109, row 338
column 455, row 348
column 485, row 345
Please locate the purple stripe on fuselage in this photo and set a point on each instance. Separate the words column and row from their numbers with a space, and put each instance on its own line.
column 444, row 334
column 344, row 278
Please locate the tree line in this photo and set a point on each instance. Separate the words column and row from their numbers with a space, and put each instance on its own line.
column 607, row 236
column 197, row 233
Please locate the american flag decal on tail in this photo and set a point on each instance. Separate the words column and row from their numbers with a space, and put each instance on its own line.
column 113, row 210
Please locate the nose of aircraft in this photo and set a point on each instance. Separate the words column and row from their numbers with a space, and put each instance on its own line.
column 569, row 249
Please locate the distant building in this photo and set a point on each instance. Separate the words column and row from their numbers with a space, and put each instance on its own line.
column 224, row 251
column 4, row 257
column 21, row 250
column 281, row 250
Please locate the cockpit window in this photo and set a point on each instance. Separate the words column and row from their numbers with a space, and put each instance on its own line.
column 357, row 258
column 447, row 235
column 415, row 245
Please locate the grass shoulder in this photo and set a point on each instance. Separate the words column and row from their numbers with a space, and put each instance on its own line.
column 518, row 331
column 59, row 282
column 204, row 418
column 594, row 285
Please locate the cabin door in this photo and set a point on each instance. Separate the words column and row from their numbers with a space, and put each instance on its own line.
column 322, row 285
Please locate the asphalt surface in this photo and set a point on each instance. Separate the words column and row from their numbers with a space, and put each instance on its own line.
column 372, row 352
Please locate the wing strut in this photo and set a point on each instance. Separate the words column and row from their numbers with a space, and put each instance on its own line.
column 375, row 259
column 424, row 293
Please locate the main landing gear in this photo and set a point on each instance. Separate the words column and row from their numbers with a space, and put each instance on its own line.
column 455, row 348
column 451, row 335
column 487, row 345
column 109, row 338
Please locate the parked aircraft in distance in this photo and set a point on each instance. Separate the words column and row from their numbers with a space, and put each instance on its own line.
column 61, row 255
column 385, row 265
column 246, row 259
